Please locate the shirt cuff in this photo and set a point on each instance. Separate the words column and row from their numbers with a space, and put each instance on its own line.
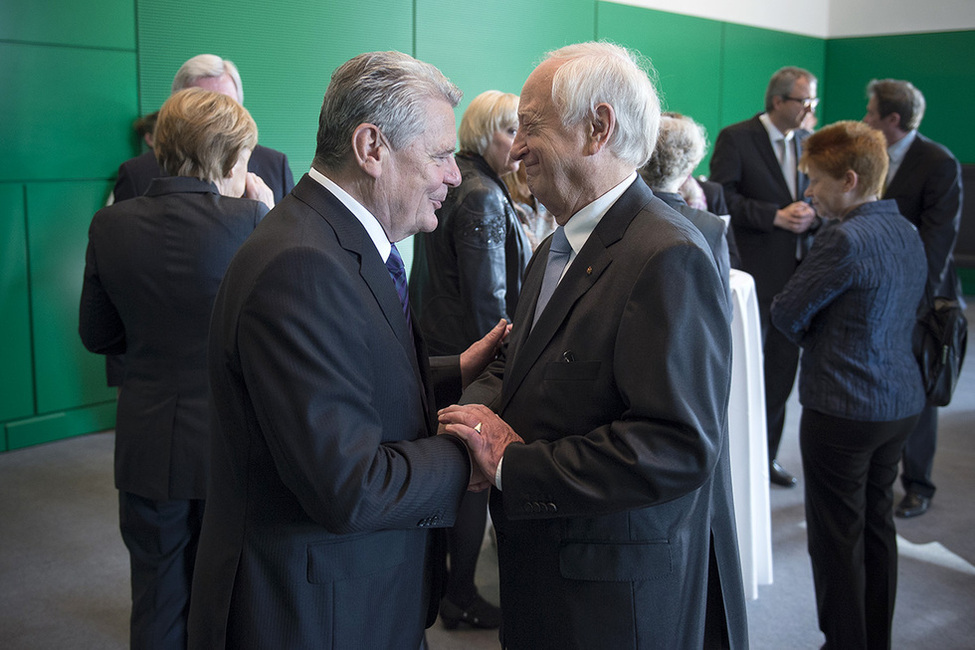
column 497, row 474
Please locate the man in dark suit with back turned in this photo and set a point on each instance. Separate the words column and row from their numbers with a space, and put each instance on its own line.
column 925, row 180
column 756, row 162
column 609, row 451
column 326, row 476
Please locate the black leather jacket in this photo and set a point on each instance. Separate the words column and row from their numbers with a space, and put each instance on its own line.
column 467, row 273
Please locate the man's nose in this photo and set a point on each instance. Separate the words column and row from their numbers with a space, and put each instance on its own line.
column 452, row 175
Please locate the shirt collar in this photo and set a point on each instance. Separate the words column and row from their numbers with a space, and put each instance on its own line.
column 366, row 218
column 773, row 132
column 898, row 150
column 582, row 223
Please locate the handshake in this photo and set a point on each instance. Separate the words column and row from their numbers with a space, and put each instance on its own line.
column 486, row 436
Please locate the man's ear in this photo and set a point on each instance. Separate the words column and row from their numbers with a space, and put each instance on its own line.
column 850, row 180
column 601, row 127
column 894, row 120
column 369, row 149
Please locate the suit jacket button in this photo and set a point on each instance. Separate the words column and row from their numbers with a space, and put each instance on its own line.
column 551, row 507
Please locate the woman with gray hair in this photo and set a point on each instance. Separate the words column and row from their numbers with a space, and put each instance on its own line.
column 681, row 144
column 466, row 276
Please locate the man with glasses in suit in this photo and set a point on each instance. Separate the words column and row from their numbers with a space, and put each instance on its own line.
column 756, row 162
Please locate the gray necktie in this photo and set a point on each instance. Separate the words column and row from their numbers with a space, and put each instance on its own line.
column 558, row 257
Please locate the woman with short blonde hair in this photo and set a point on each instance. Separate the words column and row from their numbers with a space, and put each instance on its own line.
column 153, row 267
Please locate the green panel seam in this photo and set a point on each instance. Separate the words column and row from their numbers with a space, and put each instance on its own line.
column 30, row 301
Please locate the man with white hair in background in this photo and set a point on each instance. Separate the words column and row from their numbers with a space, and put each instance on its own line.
column 210, row 72
column 603, row 426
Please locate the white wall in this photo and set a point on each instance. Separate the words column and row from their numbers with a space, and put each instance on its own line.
column 829, row 18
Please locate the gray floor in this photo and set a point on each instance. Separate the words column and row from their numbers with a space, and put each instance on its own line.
column 64, row 571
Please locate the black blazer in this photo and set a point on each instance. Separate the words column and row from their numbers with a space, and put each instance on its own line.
column 713, row 228
column 152, row 270
column 327, row 478
column 745, row 164
column 467, row 273
column 928, row 191
column 615, row 521
column 135, row 174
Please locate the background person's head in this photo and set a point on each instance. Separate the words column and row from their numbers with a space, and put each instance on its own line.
column 488, row 128
column 681, row 145
column 846, row 163
column 789, row 97
column 205, row 135
column 210, row 72
column 894, row 107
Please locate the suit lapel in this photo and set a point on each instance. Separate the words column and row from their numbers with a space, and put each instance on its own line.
column 354, row 238
column 585, row 271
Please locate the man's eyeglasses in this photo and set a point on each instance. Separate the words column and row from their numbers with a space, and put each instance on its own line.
column 807, row 102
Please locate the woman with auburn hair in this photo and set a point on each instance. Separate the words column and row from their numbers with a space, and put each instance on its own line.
column 851, row 306
column 152, row 270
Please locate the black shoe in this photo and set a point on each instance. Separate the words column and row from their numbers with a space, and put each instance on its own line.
column 779, row 476
column 478, row 613
column 912, row 505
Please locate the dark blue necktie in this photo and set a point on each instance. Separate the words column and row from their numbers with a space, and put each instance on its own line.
column 397, row 270
column 558, row 257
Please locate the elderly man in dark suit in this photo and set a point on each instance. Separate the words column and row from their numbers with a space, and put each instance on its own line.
column 609, row 449
column 326, row 478
column 153, row 267
column 756, row 162
column 925, row 180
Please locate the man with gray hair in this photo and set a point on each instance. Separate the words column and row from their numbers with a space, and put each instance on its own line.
column 925, row 180
column 756, row 162
column 327, row 480
column 209, row 72
column 603, row 426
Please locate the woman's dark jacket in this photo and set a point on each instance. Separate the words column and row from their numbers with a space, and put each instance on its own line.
column 851, row 305
column 467, row 273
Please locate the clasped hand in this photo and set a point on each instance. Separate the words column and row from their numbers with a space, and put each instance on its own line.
column 796, row 217
column 486, row 436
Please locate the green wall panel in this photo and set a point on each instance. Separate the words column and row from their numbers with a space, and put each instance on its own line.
column 16, row 378
column 285, row 54
column 495, row 45
column 68, row 376
column 940, row 65
column 46, row 428
column 102, row 24
column 65, row 113
column 750, row 56
column 688, row 69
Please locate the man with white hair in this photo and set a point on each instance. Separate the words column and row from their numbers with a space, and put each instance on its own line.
column 210, row 72
column 604, row 423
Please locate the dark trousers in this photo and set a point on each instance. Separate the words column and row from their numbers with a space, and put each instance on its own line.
column 919, row 454
column 162, row 538
column 464, row 546
column 780, row 358
column 849, row 469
